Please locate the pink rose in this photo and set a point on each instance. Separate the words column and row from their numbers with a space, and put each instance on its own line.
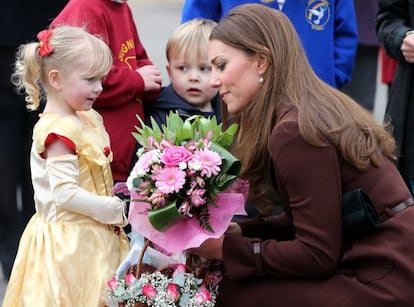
column 149, row 291
column 203, row 296
column 174, row 155
column 112, row 283
column 130, row 278
column 172, row 292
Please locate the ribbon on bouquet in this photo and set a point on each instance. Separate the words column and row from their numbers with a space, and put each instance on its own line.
column 186, row 232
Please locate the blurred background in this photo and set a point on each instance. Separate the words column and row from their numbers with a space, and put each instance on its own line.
column 156, row 20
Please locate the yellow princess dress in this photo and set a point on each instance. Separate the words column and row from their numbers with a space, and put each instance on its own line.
column 74, row 242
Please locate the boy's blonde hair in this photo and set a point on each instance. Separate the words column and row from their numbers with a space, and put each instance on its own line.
column 190, row 39
column 69, row 43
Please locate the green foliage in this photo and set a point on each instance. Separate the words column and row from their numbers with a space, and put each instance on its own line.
column 178, row 130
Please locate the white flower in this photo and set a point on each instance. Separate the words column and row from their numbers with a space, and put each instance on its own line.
column 130, row 181
column 194, row 165
column 182, row 166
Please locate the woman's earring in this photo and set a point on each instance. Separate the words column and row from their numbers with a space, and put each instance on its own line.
column 261, row 77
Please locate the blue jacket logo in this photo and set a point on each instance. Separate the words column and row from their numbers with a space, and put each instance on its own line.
column 318, row 13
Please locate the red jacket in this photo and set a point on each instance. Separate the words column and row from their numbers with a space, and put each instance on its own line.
column 123, row 94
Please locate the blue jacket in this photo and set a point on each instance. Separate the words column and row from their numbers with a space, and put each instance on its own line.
column 168, row 101
column 329, row 40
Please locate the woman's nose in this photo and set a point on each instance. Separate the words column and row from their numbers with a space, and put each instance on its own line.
column 215, row 81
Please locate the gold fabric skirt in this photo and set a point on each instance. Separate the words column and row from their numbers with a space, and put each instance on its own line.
column 64, row 263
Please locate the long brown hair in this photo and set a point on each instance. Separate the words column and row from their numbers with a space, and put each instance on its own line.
column 326, row 116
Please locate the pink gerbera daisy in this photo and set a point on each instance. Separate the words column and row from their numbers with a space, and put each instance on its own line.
column 210, row 162
column 170, row 179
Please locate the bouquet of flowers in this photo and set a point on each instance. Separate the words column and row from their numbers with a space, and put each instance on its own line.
column 179, row 182
column 183, row 189
column 173, row 285
column 159, row 289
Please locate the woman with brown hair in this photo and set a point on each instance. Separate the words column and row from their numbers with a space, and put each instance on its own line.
column 313, row 150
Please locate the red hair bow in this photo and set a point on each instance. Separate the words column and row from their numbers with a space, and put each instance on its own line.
column 44, row 37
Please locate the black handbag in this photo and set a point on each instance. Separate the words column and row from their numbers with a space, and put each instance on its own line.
column 359, row 216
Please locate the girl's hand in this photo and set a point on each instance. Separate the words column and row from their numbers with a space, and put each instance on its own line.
column 211, row 249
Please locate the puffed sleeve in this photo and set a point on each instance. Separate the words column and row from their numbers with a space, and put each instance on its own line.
column 63, row 177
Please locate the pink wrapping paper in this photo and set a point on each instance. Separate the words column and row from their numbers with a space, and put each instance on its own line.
column 187, row 232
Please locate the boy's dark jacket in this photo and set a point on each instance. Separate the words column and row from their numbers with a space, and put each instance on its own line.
column 169, row 100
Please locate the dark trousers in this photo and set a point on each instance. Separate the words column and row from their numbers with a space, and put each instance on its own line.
column 363, row 84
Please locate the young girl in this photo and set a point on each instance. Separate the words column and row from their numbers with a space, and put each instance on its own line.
column 74, row 242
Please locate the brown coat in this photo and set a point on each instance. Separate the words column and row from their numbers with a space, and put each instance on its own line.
column 313, row 269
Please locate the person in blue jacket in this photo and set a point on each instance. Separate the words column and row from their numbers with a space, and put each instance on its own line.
column 327, row 29
column 189, row 92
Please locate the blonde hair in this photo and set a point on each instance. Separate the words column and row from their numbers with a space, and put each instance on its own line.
column 69, row 43
column 326, row 116
column 190, row 39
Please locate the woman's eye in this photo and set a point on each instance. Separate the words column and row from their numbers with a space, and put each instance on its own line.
column 221, row 66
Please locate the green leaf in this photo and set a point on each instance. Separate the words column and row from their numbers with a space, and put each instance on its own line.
column 164, row 217
column 156, row 129
column 144, row 132
column 185, row 133
column 173, row 122
column 225, row 139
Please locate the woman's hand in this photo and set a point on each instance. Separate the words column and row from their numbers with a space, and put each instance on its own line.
column 213, row 248
column 210, row 249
